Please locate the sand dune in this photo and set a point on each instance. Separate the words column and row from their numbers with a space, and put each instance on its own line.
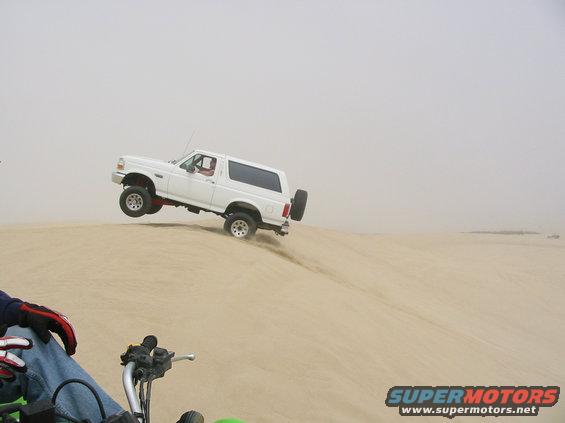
column 314, row 327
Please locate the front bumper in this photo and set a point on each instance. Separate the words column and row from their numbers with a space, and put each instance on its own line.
column 117, row 177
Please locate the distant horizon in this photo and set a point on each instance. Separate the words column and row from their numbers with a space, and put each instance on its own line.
column 198, row 220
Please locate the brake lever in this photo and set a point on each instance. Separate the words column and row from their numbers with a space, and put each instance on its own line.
column 190, row 357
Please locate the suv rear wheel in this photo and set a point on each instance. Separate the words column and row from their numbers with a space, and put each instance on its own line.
column 135, row 201
column 240, row 225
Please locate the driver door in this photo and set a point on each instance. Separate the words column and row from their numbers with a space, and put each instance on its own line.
column 194, row 180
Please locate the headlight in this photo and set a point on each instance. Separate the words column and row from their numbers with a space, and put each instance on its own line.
column 121, row 164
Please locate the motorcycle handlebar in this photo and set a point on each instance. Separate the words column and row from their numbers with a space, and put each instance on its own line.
column 149, row 343
column 129, row 388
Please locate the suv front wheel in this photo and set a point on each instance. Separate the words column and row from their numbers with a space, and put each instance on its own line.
column 135, row 201
column 240, row 225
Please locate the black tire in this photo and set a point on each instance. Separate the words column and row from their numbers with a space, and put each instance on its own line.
column 298, row 205
column 191, row 417
column 154, row 208
column 240, row 225
column 135, row 201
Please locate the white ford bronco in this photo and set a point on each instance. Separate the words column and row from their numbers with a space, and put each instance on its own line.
column 247, row 195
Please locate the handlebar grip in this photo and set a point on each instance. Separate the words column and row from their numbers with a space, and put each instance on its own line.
column 149, row 342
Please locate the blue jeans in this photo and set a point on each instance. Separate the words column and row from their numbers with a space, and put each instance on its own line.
column 47, row 366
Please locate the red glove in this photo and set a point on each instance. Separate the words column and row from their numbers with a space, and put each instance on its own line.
column 44, row 320
column 10, row 363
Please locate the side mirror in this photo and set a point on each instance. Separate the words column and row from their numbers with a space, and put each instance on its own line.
column 190, row 168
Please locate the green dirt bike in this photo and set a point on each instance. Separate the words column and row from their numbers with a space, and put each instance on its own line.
column 142, row 363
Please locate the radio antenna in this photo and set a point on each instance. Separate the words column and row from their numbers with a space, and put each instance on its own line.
column 188, row 143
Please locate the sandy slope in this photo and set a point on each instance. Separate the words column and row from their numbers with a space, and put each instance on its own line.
column 314, row 327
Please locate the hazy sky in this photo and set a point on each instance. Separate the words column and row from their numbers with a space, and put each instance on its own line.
column 394, row 115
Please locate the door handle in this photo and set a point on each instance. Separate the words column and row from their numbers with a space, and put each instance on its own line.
column 210, row 180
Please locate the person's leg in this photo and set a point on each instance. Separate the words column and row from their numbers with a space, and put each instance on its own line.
column 48, row 365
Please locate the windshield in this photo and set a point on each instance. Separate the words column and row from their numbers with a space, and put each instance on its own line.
column 175, row 161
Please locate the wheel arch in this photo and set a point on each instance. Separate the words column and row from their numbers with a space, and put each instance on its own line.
column 244, row 206
column 141, row 180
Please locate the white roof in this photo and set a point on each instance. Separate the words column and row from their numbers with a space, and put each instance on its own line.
column 246, row 162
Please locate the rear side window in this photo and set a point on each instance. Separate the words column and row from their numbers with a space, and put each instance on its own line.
column 254, row 176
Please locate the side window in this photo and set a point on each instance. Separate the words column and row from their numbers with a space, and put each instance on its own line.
column 193, row 161
column 208, row 166
column 204, row 165
column 254, row 176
